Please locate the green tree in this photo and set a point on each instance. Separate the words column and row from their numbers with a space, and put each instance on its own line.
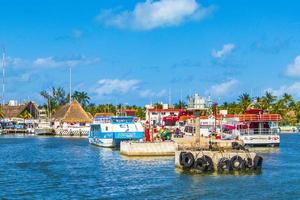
column 244, row 101
column 180, row 104
column 82, row 98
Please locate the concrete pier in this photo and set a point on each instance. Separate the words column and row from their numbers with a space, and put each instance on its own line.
column 233, row 160
column 129, row 148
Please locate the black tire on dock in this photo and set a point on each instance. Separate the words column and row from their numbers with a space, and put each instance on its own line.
column 258, row 160
column 249, row 163
column 181, row 157
column 224, row 165
column 187, row 160
column 204, row 164
column 237, row 163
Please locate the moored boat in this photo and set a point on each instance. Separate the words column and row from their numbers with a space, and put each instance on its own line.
column 109, row 131
column 255, row 128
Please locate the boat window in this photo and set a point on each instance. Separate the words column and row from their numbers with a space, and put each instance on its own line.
column 95, row 127
column 185, row 129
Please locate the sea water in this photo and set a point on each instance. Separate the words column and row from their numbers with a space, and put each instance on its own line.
column 64, row 168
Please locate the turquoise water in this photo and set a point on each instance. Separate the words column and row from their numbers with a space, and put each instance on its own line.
column 61, row 168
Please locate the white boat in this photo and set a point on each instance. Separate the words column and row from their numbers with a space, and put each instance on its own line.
column 255, row 128
column 44, row 125
column 110, row 131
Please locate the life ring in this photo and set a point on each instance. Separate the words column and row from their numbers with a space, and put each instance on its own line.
column 204, row 164
column 237, row 163
column 258, row 160
column 187, row 160
column 224, row 165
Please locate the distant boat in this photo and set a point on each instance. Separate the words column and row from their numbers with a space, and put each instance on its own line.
column 108, row 131
column 288, row 129
column 44, row 127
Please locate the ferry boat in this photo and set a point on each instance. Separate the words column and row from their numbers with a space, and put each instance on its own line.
column 109, row 131
column 255, row 128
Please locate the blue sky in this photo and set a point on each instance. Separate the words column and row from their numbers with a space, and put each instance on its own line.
column 136, row 52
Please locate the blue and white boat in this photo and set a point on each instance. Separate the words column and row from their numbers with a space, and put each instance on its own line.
column 110, row 131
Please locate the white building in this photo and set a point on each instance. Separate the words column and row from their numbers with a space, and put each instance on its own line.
column 155, row 116
column 197, row 102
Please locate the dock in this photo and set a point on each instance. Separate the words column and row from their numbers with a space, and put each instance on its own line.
column 15, row 131
column 207, row 161
column 131, row 148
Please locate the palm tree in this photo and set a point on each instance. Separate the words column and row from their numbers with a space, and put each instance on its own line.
column 25, row 115
column 288, row 99
column 180, row 104
column 267, row 101
column 158, row 105
column 1, row 112
column 244, row 101
column 81, row 97
column 59, row 95
column 270, row 98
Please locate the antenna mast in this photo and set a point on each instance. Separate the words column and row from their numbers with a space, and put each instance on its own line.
column 3, row 76
column 170, row 97
column 70, row 82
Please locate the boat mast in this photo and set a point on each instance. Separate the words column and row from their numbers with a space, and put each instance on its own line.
column 70, row 84
column 169, row 98
column 3, row 76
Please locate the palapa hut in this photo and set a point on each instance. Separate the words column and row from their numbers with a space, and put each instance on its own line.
column 28, row 110
column 71, row 119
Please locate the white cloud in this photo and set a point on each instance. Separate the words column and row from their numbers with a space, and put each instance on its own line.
column 150, row 93
column 15, row 62
column 294, row 68
column 64, row 61
column 293, row 89
column 227, row 49
column 153, row 14
column 110, row 86
column 222, row 89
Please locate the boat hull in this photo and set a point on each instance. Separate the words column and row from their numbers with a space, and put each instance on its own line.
column 109, row 143
column 43, row 131
column 263, row 145
column 261, row 140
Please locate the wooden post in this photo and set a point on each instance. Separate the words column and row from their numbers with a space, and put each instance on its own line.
column 197, row 131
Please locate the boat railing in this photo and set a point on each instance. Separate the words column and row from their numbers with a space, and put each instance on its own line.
column 262, row 117
column 258, row 131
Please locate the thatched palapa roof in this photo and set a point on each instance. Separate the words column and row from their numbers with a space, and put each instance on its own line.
column 72, row 113
column 15, row 111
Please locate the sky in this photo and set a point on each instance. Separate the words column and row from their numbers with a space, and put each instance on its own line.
column 137, row 52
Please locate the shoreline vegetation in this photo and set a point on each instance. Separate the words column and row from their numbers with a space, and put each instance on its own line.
column 285, row 105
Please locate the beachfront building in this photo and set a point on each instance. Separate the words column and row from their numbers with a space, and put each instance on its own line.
column 127, row 112
column 155, row 116
column 71, row 119
column 199, row 105
column 15, row 111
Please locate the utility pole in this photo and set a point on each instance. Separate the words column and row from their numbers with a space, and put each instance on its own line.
column 3, row 76
column 170, row 97
column 70, row 82
column 197, row 131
